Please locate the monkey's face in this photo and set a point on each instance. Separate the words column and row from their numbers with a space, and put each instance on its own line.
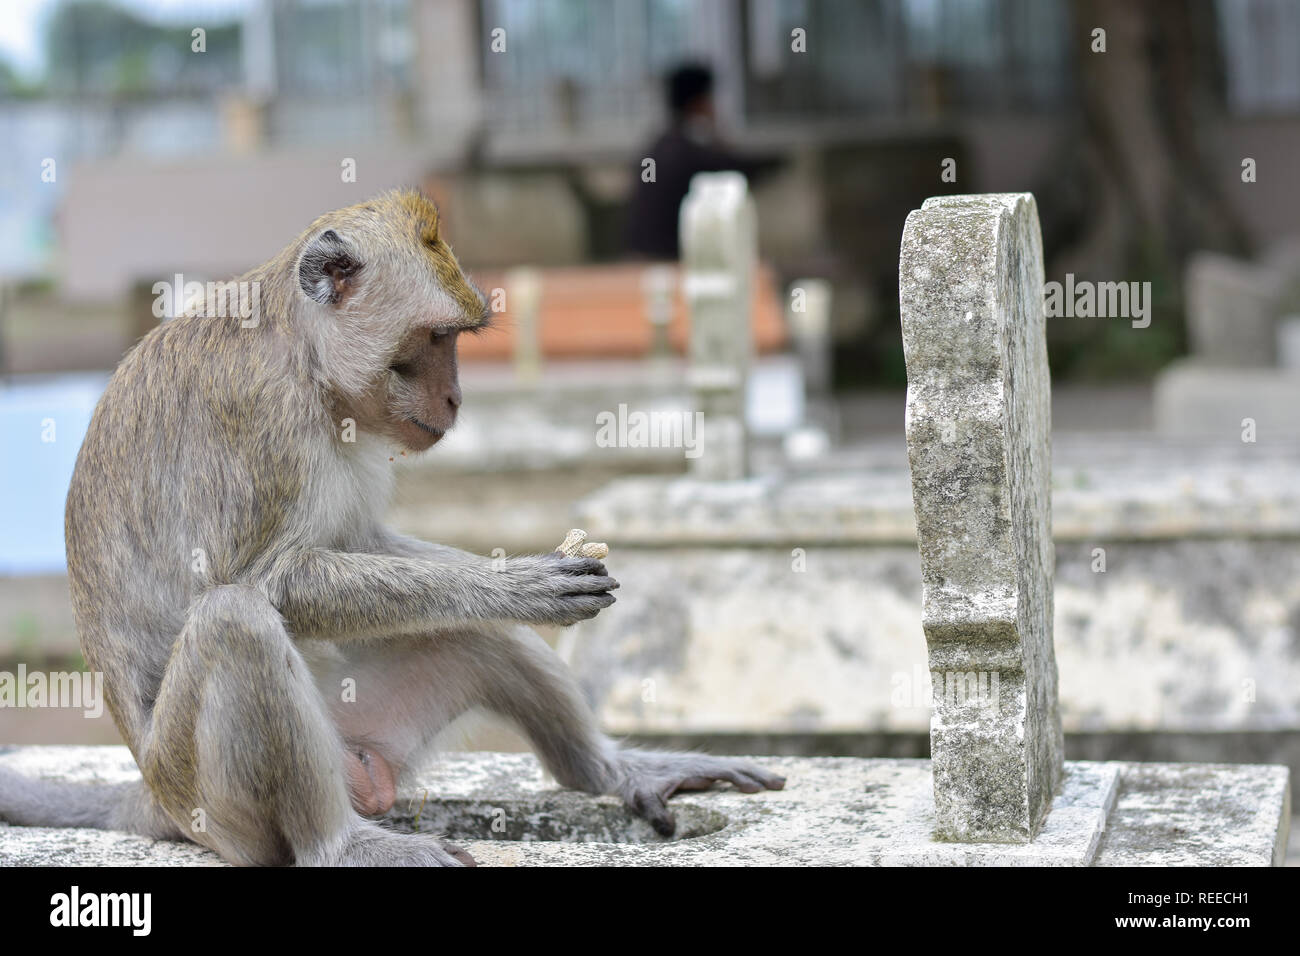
column 394, row 301
column 420, row 395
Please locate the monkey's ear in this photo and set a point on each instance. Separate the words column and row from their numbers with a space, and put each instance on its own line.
column 327, row 268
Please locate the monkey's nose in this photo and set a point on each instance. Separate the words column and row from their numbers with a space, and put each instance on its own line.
column 453, row 398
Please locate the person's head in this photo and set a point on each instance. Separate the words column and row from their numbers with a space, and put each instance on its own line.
column 690, row 92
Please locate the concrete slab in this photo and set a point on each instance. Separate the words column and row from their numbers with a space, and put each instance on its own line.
column 834, row 811
column 1176, row 593
column 1196, row 398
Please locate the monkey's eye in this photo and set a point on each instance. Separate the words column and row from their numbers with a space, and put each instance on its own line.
column 437, row 335
column 402, row 368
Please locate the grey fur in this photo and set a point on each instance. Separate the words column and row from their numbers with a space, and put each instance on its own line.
column 229, row 571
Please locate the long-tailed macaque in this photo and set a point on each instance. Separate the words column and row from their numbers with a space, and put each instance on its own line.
column 230, row 574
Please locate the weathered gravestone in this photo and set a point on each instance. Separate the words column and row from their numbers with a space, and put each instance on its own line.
column 1231, row 311
column 1231, row 387
column 719, row 233
column 659, row 286
column 978, row 436
column 808, row 316
column 524, row 298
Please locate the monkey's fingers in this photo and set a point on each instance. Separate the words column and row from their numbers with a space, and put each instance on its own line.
column 651, row 807
column 581, row 566
column 572, row 608
column 588, row 584
column 690, row 783
column 745, row 777
column 768, row 780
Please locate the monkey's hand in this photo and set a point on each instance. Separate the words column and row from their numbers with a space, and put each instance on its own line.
column 554, row 588
column 646, row 779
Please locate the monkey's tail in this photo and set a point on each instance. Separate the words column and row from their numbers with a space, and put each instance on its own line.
column 100, row 806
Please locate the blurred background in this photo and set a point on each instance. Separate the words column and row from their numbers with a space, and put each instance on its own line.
column 171, row 159
column 144, row 138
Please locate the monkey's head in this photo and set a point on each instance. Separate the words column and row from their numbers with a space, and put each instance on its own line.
column 384, row 302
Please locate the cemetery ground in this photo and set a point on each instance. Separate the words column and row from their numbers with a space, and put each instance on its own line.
column 721, row 632
column 485, row 509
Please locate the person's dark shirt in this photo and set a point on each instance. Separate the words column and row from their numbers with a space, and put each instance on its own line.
column 651, row 227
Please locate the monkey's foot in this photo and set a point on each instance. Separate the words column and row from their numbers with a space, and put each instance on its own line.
column 372, row 845
column 648, row 779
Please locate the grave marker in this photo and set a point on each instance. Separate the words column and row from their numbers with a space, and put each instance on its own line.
column 719, row 254
column 978, row 436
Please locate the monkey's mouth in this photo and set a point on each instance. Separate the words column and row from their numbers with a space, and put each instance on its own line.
column 437, row 433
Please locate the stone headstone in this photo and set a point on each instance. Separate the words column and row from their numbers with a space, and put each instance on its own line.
column 1231, row 311
column 524, row 300
column 659, row 288
column 658, row 284
column 719, row 240
column 978, row 433
column 1240, row 383
column 809, row 318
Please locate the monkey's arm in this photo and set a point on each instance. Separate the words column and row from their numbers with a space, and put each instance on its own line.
column 349, row 595
column 387, row 541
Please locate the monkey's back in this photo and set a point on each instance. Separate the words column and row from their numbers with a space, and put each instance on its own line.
column 184, row 479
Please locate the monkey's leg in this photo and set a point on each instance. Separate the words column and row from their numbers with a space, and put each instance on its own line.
column 407, row 690
column 241, row 751
column 415, row 689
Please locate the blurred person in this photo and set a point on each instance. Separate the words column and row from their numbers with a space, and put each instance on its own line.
column 688, row 146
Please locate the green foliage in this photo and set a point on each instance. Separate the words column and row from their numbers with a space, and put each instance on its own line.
column 97, row 46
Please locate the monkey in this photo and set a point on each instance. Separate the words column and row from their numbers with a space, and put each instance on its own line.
column 230, row 572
